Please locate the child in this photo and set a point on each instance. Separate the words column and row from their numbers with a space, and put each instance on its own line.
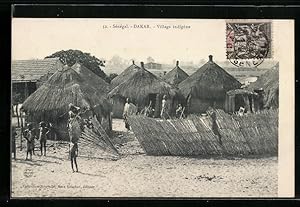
column 43, row 137
column 29, row 136
column 74, row 154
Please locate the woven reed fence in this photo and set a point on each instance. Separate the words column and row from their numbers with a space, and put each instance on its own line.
column 94, row 142
column 253, row 134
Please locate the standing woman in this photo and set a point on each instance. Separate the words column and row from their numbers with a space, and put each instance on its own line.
column 74, row 133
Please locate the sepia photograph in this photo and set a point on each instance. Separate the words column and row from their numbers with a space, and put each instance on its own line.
column 165, row 108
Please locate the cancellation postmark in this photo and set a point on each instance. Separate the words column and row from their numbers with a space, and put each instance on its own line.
column 28, row 172
column 248, row 43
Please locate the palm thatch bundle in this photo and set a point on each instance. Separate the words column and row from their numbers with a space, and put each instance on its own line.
column 94, row 142
column 252, row 134
column 269, row 82
column 83, row 88
column 142, row 83
column 209, row 82
column 176, row 75
column 125, row 75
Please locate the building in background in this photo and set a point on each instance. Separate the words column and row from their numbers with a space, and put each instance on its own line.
column 28, row 75
column 153, row 66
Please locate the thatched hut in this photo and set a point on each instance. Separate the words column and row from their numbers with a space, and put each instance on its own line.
column 117, row 101
column 207, row 87
column 142, row 88
column 176, row 75
column 125, row 75
column 268, row 83
column 76, row 85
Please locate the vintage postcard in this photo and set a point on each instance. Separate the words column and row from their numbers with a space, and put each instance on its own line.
column 152, row 108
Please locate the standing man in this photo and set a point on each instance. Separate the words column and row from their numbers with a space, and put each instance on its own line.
column 74, row 133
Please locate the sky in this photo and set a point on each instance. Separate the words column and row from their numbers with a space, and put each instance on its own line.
column 38, row 38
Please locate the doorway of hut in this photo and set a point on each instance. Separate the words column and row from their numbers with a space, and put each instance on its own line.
column 245, row 101
column 155, row 99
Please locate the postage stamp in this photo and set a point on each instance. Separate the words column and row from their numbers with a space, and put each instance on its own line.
column 248, row 43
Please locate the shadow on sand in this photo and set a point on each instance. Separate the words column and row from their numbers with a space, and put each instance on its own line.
column 89, row 174
column 35, row 162
column 28, row 162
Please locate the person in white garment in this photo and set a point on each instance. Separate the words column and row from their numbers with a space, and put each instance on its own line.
column 163, row 107
column 126, row 112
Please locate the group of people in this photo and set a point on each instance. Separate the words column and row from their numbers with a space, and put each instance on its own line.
column 164, row 109
column 149, row 111
column 30, row 135
column 42, row 133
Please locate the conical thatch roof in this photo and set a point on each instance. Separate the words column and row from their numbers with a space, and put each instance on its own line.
column 82, row 88
column 87, row 74
column 176, row 75
column 125, row 75
column 269, row 82
column 140, row 85
column 209, row 82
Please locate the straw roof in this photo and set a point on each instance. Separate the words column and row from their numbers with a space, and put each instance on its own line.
column 269, row 82
column 175, row 76
column 87, row 74
column 209, row 82
column 140, row 85
column 65, row 86
column 125, row 75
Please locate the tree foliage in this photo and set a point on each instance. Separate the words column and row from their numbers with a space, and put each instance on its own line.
column 117, row 63
column 70, row 57
column 150, row 59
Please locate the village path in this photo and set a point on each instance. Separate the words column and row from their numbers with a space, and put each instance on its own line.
column 138, row 175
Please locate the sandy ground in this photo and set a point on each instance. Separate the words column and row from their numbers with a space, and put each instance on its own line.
column 138, row 175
